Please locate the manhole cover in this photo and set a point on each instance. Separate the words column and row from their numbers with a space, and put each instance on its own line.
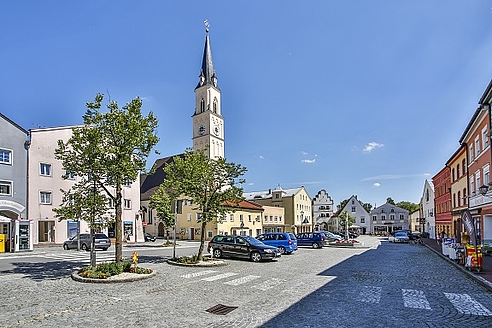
column 221, row 309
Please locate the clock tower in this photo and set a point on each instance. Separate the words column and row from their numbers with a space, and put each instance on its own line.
column 208, row 123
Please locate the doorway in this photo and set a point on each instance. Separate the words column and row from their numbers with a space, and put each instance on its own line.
column 46, row 232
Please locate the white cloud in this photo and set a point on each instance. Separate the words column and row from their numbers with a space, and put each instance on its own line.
column 393, row 176
column 262, row 157
column 371, row 146
column 304, row 153
column 309, row 161
column 377, row 184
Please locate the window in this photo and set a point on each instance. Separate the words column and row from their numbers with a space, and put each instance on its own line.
column 353, row 209
column 362, row 219
column 464, row 196
column 276, row 195
column 459, row 198
column 463, row 165
column 202, row 105
column 69, row 175
column 5, row 156
column 249, row 218
column 45, row 197
column 198, row 217
column 453, row 175
column 231, row 218
column 477, row 146
column 280, row 219
column 458, row 171
column 127, row 203
column 392, row 217
column 209, row 234
column 45, row 169
column 486, row 175
column 477, row 180
column 111, row 203
column 485, row 139
column 471, row 153
column 188, row 217
column 5, row 188
column 454, row 200
column 402, row 217
column 383, row 217
column 374, row 217
column 241, row 218
column 472, row 184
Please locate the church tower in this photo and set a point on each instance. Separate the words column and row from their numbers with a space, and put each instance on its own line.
column 208, row 123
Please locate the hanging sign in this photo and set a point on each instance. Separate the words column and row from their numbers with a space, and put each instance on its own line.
column 467, row 220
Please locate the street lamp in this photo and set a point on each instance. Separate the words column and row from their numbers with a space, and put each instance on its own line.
column 242, row 226
column 483, row 190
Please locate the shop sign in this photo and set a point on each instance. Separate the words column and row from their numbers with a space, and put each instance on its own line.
column 7, row 203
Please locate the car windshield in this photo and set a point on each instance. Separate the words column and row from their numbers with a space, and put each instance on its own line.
column 100, row 236
column 401, row 234
column 250, row 240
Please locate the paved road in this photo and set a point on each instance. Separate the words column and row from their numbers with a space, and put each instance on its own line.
column 386, row 286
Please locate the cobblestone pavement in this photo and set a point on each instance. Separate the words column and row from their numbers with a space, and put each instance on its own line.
column 387, row 286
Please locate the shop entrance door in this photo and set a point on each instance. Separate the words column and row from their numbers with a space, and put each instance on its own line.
column 46, row 232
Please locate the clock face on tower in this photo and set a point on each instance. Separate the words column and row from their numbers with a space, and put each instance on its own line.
column 201, row 129
column 216, row 130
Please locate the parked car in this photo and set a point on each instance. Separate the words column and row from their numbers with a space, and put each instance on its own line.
column 331, row 236
column 313, row 239
column 101, row 242
column 400, row 237
column 285, row 242
column 149, row 237
column 241, row 247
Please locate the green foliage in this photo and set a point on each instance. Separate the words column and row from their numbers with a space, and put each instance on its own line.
column 106, row 270
column 161, row 201
column 210, row 183
column 409, row 206
column 109, row 150
column 390, row 200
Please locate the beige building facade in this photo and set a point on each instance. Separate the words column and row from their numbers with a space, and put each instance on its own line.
column 44, row 184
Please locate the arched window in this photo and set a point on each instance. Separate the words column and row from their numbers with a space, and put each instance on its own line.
column 216, row 105
column 459, row 198
column 202, row 105
column 458, row 171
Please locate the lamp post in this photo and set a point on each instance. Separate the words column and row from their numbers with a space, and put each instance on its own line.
column 241, row 226
column 302, row 221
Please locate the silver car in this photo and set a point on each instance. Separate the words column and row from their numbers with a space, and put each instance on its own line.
column 101, row 242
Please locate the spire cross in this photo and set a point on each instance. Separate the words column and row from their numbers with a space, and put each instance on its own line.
column 207, row 25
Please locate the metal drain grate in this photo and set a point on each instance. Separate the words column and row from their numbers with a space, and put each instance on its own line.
column 221, row 309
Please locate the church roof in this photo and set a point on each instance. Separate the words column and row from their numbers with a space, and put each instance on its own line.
column 149, row 183
column 265, row 194
column 207, row 73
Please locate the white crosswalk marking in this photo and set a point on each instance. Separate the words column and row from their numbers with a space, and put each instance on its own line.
column 242, row 280
column 269, row 284
column 197, row 274
column 220, row 276
column 80, row 257
column 467, row 305
column 415, row 299
column 370, row 294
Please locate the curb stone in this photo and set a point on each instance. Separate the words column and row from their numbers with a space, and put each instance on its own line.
column 125, row 278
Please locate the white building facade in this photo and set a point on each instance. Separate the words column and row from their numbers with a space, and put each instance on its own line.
column 428, row 211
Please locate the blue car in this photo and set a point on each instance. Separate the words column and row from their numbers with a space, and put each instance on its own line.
column 285, row 242
column 313, row 239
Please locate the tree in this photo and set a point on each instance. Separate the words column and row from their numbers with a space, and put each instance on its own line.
column 367, row 207
column 161, row 201
column 212, row 184
column 409, row 206
column 110, row 149
column 390, row 200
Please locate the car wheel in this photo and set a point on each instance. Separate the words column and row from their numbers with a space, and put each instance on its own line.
column 255, row 257
column 315, row 245
column 217, row 253
column 84, row 247
column 282, row 250
column 65, row 246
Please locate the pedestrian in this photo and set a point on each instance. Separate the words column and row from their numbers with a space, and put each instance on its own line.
column 438, row 239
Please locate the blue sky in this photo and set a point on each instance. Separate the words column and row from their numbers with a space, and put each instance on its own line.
column 355, row 97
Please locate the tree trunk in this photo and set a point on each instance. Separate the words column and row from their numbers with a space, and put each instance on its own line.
column 118, row 226
column 202, row 240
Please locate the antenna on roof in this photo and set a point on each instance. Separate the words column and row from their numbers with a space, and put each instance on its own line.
column 207, row 25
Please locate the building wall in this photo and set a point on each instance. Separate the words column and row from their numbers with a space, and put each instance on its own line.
column 388, row 218
column 47, row 228
column 356, row 210
column 428, row 209
column 323, row 207
column 459, row 190
column 442, row 201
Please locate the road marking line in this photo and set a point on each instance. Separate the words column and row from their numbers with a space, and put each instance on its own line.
column 269, row 284
column 242, row 280
column 220, row 276
column 370, row 294
column 467, row 305
column 415, row 299
column 197, row 274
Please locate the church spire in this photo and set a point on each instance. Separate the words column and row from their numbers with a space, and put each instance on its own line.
column 207, row 73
